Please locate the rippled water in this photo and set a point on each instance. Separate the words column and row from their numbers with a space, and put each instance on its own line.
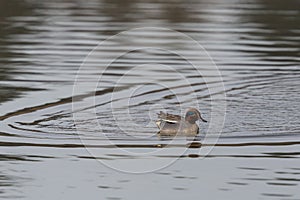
column 53, row 80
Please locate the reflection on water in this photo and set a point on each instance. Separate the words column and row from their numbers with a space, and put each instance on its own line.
column 255, row 44
column 11, row 179
column 9, row 91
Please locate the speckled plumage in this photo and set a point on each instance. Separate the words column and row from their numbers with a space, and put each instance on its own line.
column 169, row 124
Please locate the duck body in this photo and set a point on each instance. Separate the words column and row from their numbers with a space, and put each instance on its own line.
column 169, row 124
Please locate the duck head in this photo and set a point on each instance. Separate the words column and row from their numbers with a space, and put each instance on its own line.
column 192, row 115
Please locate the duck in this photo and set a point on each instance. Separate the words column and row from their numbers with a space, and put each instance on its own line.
column 169, row 124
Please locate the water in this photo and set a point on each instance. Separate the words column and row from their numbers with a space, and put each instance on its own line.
column 254, row 44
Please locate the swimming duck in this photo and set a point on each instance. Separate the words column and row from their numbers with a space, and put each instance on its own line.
column 169, row 124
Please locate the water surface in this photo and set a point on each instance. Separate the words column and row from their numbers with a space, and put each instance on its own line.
column 255, row 45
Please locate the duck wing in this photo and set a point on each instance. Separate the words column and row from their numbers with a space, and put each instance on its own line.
column 169, row 117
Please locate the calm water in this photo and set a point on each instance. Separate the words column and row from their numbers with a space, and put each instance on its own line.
column 44, row 53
